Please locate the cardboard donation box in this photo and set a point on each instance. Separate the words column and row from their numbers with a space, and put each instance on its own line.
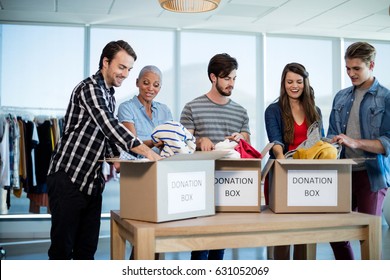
column 178, row 187
column 237, row 185
column 303, row 185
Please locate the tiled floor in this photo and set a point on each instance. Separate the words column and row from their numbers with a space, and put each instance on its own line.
column 37, row 250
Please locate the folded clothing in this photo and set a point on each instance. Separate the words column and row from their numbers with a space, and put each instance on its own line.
column 320, row 150
column 246, row 150
column 176, row 138
column 228, row 146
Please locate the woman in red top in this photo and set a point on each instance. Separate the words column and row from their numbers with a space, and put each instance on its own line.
column 287, row 121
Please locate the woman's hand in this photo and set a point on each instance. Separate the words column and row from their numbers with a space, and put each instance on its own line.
column 159, row 144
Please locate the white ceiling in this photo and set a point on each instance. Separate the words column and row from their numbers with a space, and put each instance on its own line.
column 365, row 19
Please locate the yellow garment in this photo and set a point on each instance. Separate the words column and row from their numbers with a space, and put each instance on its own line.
column 320, row 150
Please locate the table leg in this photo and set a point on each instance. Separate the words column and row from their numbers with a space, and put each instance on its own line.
column 311, row 251
column 270, row 252
column 117, row 242
column 372, row 246
column 145, row 244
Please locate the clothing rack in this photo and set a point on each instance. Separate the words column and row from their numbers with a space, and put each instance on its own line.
column 32, row 157
column 33, row 113
column 32, row 110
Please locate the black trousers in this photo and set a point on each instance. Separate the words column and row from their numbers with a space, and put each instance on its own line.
column 208, row 255
column 75, row 220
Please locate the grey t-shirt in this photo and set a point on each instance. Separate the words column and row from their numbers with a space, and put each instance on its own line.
column 353, row 129
column 212, row 120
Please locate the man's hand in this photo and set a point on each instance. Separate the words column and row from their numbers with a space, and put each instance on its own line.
column 373, row 146
column 235, row 137
column 205, row 144
column 343, row 139
column 117, row 166
column 146, row 152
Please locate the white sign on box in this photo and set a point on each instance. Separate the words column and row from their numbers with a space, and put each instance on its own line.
column 312, row 188
column 236, row 188
column 186, row 192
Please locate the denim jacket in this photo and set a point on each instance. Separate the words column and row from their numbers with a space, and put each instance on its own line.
column 374, row 124
column 275, row 128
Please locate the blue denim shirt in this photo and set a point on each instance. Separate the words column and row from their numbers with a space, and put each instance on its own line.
column 134, row 112
column 374, row 124
column 275, row 128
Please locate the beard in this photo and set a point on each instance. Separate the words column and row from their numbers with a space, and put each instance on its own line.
column 226, row 92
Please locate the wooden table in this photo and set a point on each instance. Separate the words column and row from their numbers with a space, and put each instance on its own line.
column 239, row 230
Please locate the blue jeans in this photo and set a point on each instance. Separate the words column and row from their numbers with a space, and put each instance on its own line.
column 208, row 255
column 364, row 201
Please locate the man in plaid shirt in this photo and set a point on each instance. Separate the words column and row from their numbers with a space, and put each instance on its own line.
column 91, row 134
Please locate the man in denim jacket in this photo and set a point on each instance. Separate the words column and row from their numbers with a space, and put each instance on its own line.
column 360, row 121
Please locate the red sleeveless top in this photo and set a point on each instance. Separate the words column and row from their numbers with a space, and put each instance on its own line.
column 300, row 135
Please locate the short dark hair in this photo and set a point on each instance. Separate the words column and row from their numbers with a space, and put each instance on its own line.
column 221, row 65
column 362, row 50
column 112, row 48
column 150, row 68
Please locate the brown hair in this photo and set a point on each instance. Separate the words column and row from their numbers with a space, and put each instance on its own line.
column 362, row 50
column 306, row 99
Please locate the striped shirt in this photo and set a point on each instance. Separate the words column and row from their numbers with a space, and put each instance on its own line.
column 176, row 138
column 212, row 120
column 91, row 133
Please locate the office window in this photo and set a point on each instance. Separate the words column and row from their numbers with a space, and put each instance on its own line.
column 151, row 47
column 196, row 51
column 40, row 65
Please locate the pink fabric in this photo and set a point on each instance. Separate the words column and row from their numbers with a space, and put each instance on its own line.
column 246, row 150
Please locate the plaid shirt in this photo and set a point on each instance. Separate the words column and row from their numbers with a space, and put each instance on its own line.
column 91, row 133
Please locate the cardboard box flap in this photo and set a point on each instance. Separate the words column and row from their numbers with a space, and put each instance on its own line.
column 266, row 169
column 269, row 163
column 266, row 149
column 212, row 155
column 239, row 159
column 315, row 161
column 143, row 160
